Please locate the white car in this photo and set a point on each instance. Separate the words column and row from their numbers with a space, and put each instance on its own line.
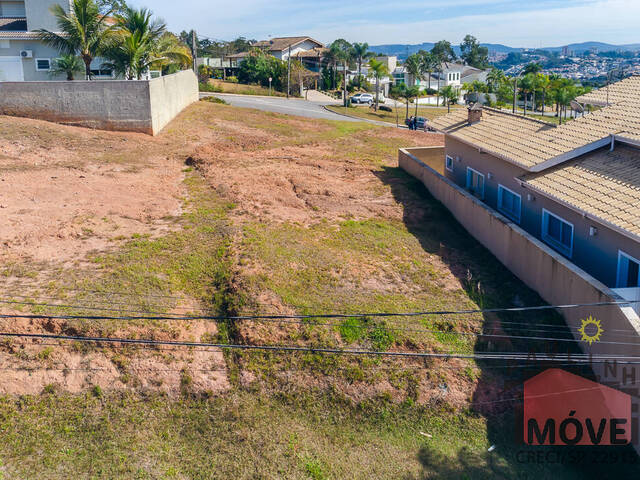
column 363, row 98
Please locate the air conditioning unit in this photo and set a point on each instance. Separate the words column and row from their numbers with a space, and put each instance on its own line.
column 26, row 53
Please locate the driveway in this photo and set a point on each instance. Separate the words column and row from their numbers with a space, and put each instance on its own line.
column 292, row 106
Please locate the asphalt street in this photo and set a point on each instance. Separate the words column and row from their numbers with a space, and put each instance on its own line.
column 291, row 106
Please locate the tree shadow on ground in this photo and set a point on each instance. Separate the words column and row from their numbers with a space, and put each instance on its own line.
column 498, row 395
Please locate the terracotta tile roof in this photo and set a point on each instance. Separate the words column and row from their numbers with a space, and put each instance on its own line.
column 313, row 53
column 282, row 43
column 530, row 143
column 13, row 24
column 603, row 184
column 19, row 35
column 627, row 90
column 237, row 55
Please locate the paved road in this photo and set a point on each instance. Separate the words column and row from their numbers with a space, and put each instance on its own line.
column 292, row 106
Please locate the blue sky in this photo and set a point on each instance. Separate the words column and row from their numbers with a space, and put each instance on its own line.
column 533, row 23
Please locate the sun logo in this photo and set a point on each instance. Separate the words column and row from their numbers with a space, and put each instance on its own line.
column 594, row 332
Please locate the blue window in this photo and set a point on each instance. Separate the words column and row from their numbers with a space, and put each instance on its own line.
column 475, row 182
column 557, row 232
column 509, row 203
column 628, row 271
column 448, row 164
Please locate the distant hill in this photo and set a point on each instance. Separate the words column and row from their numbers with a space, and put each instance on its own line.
column 602, row 47
column 402, row 50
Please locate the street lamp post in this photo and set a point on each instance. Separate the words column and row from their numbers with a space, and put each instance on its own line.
column 270, row 79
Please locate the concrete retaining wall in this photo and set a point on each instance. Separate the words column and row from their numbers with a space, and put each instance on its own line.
column 556, row 279
column 170, row 95
column 138, row 106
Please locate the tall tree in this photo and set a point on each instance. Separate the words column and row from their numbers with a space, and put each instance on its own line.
column 532, row 67
column 361, row 53
column 473, row 53
column 113, row 6
column 429, row 64
column 413, row 66
column 344, row 53
column 330, row 58
column 443, row 51
column 83, row 31
column 378, row 69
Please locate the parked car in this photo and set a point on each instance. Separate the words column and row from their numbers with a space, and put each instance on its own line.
column 363, row 98
column 421, row 124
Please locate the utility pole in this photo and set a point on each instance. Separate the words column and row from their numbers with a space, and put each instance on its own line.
column 194, row 51
column 289, row 71
column 515, row 93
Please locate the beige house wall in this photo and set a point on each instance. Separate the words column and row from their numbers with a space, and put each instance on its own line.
column 556, row 279
column 138, row 106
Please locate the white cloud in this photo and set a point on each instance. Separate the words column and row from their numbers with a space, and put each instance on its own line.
column 379, row 21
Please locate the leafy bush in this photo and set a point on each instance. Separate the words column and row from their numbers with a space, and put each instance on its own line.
column 232, row 79
column 430, row 91
column 209, row 87
column 214, row 100
column 258, row 67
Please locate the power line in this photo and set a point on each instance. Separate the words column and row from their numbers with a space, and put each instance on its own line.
column 292, row 348
column 356, row 315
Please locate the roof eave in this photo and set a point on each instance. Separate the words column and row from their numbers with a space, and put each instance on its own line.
column 564, row 157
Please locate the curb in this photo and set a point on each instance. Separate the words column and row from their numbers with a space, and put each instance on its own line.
column 375, row 122
column 211, row 94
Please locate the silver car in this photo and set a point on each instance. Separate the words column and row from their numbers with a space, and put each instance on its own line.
column 362, row 98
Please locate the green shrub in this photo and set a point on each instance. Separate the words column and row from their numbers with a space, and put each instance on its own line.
column 232, row 79
column 214, row 100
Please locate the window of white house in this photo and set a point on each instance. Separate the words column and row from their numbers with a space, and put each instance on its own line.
column 475, row 182
column 43, row 64
column 557, row 232
column 509, row 203
column 628, row 271
column 448, row 163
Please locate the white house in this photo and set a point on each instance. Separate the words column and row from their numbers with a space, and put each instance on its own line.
column 23, row 57
column 282, row 47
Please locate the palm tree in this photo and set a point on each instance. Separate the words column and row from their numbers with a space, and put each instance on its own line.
column 429, row 64
column 494, row 78
column 360, row 53
column 413, row 66
column 344, row 53
column 170, row 53
column 83, row 31
column 378, row 69
column 526, row 86
column 136, row 36
column 439, row 72
column 67, row 64
column 408, row 93
column 543, row 85
column 450, row 95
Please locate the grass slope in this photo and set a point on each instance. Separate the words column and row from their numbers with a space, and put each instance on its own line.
column 306, row 416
